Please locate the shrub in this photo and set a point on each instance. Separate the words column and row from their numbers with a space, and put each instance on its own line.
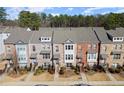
column 123, row 68
column 117, row 70
column 51, row 70
column 22, row 71
column 38, row 71
column 77, row 70
column 62, row 70
column 94, row 67
column 111, row 70
column 73, row 67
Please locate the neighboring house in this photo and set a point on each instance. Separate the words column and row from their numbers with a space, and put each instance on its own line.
column 4, row 34
column 17, row 43
column 117, row 53
column 40, row 49
column 87, row 46
column 65, row 46
column 111, row 47
column 76, row 45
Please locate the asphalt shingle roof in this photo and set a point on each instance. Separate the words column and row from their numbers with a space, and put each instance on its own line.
column 102, row 35
column 77, row 35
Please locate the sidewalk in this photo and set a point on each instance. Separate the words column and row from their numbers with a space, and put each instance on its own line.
column 110, row 76
column 28, row 78
column 84, row 78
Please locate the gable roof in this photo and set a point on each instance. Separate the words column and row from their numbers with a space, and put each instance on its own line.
column 77, row 35
column 118, row 32
column 102, row 35
column 16, row 36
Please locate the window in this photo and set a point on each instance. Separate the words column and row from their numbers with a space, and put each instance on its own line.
column 69, row 64
column 79, row 48
column 114, row 38
column 69, row 47
column 104, row 48
column 66, row 47
column 117, row 39
column 116, row 56
column 48, row 46
column 89, row 46
column 66, row 57
column 8, row 49
column 91, row 56
column 46, row 56
column 120, row 46
column 45, row 39
column 69, row 56
column 23, row 49
column 94, row 46
column 116, row 46
column 57, row 48
column 33, row 48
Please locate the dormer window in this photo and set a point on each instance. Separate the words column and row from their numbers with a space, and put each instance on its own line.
column 45, row 39
column 117, row 39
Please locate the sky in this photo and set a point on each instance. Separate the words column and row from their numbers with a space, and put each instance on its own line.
column 13, row 12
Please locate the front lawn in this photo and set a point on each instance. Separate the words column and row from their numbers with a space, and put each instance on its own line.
column 69, row 75
column 118, row 76
column 14, row 78
column 44, row 76
column 97, row 76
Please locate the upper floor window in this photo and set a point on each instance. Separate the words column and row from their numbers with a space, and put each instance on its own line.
column 116, row 56
column 33, row 48
column 117, row 39
column 91, row 56
column 118, row 46
column 48, row 46
column 89, row 46
column 45, row 39
column 8, row 49
column 94, row 46
column 69, row 56
column 69, row 47
column 46, row 56
column 57, row 48
column 79, row 47
column 104, row 48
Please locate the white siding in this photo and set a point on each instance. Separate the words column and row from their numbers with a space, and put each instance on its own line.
column 3, row 36
column 22, row 55
column 92, row 57
column 69, row 52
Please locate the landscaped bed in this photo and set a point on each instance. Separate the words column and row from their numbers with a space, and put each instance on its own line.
column 118, row 76
column 13, row 79
column 2, row 65
column 97, row 76
column 45, row 76
column 69, row 75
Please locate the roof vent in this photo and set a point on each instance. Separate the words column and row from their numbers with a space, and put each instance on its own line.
column 28, row 29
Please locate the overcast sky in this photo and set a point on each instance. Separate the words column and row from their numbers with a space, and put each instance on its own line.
column 14, row 11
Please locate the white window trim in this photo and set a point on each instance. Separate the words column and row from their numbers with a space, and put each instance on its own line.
column 120, row 39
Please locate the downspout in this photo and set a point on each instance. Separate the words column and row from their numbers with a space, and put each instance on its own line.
column 99, row 48
column 52, row 49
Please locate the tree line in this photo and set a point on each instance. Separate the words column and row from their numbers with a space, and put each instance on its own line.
column 36, row 20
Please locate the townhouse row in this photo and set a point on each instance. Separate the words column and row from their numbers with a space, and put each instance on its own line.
column 65, row 46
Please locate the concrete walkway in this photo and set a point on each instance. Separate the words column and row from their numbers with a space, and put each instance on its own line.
column 110, row 76
column 56, row 75
column 28, row 78
column 63, row 83
column 84, row 78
